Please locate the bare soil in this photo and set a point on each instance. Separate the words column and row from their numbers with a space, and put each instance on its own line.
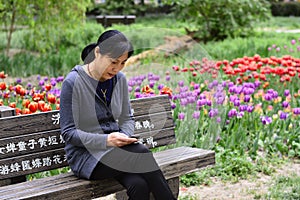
column 242, row 190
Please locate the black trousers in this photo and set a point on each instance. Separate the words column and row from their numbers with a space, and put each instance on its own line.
column 134, row 167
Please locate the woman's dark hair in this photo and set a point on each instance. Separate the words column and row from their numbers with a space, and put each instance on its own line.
column 112, row 43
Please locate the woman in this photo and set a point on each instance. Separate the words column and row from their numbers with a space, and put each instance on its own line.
column 97, row 124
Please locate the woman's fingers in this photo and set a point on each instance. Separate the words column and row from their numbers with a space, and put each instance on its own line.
column 119, row 139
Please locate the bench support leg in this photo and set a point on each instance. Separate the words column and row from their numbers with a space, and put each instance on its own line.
column 173, row 183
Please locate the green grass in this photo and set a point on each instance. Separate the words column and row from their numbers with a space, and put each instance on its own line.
column 285, row 187
column 280, row 23
column 146, row 33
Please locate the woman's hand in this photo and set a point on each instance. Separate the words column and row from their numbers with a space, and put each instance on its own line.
column 118, row 139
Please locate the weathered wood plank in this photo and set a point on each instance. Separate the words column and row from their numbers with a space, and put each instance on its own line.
column 154, row 122
column 67, row 186
column 30, row 143
column 32, row 163
column 151, row 105
column 45, row 121
column 31, row 123
column 6, row 111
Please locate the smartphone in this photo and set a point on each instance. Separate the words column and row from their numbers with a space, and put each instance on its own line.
column 135, row 136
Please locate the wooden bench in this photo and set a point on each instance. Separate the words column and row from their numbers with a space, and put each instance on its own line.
column 108, row 20
column 32, row 143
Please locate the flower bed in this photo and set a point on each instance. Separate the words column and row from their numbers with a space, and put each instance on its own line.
column 249, row 104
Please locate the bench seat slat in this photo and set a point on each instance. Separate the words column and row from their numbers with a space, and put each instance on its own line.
column 45, row 121
column 192, row 159
column 34, row 142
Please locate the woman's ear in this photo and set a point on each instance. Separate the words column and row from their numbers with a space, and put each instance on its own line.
column 97, row 51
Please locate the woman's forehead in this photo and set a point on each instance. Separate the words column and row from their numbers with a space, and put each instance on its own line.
column 121, row 58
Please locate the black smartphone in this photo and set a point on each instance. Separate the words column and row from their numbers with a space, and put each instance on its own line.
column 135, row 136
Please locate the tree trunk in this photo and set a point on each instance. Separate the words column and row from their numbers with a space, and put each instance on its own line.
column 11, row 29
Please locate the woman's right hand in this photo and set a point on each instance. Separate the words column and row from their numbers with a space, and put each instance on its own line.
column 118, row 139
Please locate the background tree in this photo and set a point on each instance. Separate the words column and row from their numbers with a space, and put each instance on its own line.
column 45, row 20
column 208, row 20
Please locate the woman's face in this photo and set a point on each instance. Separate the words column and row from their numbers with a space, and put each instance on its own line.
column 109, row 67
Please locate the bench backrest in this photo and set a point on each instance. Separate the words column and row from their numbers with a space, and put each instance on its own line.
column 32, row 143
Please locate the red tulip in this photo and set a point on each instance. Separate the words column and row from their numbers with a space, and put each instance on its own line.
column 2, row 86
column 33, row 106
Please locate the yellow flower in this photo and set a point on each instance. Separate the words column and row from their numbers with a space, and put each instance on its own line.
column 275, row 116
column 278, row 99
column 205, row 111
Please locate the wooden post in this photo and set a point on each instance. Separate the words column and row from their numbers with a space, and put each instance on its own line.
column 6, row 111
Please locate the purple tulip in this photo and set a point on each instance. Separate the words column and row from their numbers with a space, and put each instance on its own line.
column 296, row 111
column 160, row 86
column 208, row 102
column 19, row 80
column 268, row 97
column 283, row 115
column 173, row 105
column 243, row 108
column 180, row 83
column 196, row 86
column 236, row 102
column 151, row 84
column 224, row 84
column 240, row 115
column 137, row 95
column 131, row 82
column 181, row 116
column 168, row 78
column 60, row 79
column 247, row 98
column 202, row 96
column 213, row 112
column 286, row 93
column 250, row 109
column 285, row 104
column 137, row 89
column 41, row 83
column 29, row 85
column 257, row 83
column 201, row 102
column 53, row 83
column 232, row 113
column 232, row 98
column 196, row 114
column 129, row 89
column 218, row 120
column 266, row 120
column 183, row 102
